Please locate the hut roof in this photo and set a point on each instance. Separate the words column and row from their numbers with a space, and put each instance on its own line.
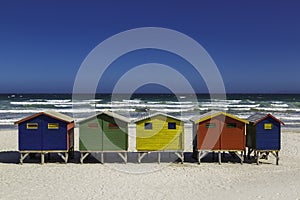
column 213, row 114
column 154, row 115
column 49, row 113
column 258, row 117
column 108, row 113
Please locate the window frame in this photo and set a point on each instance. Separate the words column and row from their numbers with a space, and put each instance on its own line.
column 231, row 125
column 149, row 124
column 210, row 125
column 268, row 126
column 172, row 123
column 112, row 125
column 32, row 124
column 53, row 126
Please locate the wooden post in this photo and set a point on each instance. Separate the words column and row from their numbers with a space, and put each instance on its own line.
column 219, row 155
column 277, row 158
column 182, row 157
column 66, row 157
column 81, row 158
column 199, row 158
column 139, row 158
column 158, row 157
column 42, row 158
column 242, row 157
column 22, row 157
column 257, row 157
column 102, row 157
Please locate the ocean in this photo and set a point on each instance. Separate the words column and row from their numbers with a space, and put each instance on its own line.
column 17, row 106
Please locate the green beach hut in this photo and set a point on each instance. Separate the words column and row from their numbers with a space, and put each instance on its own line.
column 103, row 132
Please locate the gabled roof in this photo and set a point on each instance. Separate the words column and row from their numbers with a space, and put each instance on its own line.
column 108, row 113
column 213, row 114
column 156, row 114
column 258, row 117
column 50, row 113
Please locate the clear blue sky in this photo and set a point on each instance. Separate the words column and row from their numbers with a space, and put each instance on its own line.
column 255, row 44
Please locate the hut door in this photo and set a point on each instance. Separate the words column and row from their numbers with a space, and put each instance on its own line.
column 209, row 135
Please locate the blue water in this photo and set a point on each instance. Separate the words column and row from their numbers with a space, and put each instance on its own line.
column 284, row 106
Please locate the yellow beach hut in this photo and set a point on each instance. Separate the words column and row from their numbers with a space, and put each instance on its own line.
column 159, row 132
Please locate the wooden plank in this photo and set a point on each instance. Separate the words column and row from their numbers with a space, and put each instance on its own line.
column 42, row 158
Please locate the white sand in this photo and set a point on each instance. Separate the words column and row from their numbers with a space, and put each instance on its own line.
column 174, row 181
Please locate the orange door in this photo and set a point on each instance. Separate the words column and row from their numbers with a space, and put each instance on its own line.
column 209, row 135
column 233, row 135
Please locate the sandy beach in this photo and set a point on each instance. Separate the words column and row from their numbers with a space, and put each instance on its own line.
column 157, row 181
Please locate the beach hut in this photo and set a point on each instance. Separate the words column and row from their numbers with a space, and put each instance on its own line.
column 264, row 136
column 104, row 132
column 219, row 131
column 46, row 132
column 160, row 132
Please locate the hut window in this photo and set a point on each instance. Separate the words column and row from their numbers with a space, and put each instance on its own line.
column 53, row 125
column 32, row 126
column 148, row 126
column 93, row 125
column 231, row 125
column 210, row 125
column 171, row 125
column 112, row 126
column 268, row 126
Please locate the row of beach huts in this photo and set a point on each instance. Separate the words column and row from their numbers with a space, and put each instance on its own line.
column 107, row 132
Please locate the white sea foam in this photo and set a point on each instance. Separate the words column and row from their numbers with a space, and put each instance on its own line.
column 8, row 121
column 241, row 109
column 280, row 105
column 292, row 118
column 26, row 103
column 229, row 105
column 54, row 101
column 113, row 105
column 277, row 102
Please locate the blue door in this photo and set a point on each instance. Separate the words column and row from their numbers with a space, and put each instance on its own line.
column 30, row 135
column 54, row 134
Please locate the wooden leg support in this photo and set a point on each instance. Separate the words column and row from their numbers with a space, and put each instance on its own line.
column 201, row 154
column 240, row 156
column 83, row 156
column 180, row 156
column 42, row 158
column 141, row 156
column 158, row 157
column 124, row 157
column 276, row 154
column 219, row 157
column 102, row 157
column 64, row 157
column 257, row 157
column 22, row 157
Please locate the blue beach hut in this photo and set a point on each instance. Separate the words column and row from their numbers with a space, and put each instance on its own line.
column 263, row 136
column 46, row 132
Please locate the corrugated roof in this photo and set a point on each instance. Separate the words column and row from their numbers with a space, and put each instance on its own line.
column 213, row 114
column 255, row 117
column 108, row 113
column 49, row 113
column 258, row 117
column 156, row 114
